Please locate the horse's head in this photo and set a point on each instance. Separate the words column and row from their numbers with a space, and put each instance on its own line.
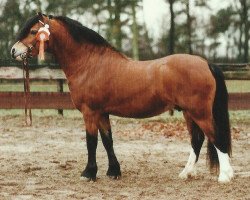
column 34, row 33
column 68, row 39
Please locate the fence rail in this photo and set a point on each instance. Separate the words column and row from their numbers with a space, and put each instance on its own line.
column 58, row 100
column 61, row 100
column 39, row 100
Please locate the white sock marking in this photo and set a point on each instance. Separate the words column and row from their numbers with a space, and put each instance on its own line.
column 190, row 169
column 226, row 171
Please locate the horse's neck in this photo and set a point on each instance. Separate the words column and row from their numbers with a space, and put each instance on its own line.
column 88, row 58
column 64, row 51
column 75, row 58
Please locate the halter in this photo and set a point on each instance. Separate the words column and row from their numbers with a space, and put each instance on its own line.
column 42, row 36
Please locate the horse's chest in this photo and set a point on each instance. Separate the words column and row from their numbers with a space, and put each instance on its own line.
column 90, row 97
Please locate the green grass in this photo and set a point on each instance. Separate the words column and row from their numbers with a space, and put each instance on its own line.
column 41, row 113
column 236, row 117
column 51, row 86
column 238, row 86
column 35, row 86
column 241, row 117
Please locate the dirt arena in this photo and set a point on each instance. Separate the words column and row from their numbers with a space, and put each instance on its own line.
column 45, row 161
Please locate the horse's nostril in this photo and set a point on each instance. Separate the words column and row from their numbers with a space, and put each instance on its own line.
column 13, row 51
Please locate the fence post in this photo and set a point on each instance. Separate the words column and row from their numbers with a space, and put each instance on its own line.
column 60, row 89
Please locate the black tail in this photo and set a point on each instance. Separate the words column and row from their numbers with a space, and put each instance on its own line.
column 221, row 119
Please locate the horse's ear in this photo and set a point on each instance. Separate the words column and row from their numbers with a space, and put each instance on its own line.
column 40, row 15
column 51, row 16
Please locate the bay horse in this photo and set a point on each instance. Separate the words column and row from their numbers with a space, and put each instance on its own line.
column 103, row 82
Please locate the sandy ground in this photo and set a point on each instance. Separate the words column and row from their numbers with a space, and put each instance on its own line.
column 45, row 162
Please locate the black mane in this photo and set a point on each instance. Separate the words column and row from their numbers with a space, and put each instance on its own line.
column 81, row 33
column 27, row 26
column 78, row 32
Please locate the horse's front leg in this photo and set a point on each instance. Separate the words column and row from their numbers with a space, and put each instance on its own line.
column 107, row 140
column 91, row 120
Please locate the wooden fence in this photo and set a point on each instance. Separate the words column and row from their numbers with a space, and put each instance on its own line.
column 61, row 100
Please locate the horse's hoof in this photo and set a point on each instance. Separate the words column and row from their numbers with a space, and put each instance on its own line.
column 114, row 171
column 85, row 179
column 223, row 179
column 88, row 178
column 226, row 176
column 115, row 177
column 89, row 174
column 188, row 174
column 183, row 175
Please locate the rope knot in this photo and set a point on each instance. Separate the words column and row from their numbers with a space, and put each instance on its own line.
column 42, row 36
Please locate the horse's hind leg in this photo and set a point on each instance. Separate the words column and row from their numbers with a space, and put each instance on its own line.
column 218, row 153
column 197, row 139
column 106, row 135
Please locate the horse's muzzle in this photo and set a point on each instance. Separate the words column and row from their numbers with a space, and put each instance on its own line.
column 19, row 51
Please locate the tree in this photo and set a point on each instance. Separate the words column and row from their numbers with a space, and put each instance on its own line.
column 146, row 50
column 9, row 25
column 110, row 20
column 135, row 45
column 185, row 30
column 171, row 45
column 117, row 25
column 220, row 23
column 62, row 7
column 245, row 22
column 189, row 28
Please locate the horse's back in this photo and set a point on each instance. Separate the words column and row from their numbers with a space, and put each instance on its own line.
column 186, row 62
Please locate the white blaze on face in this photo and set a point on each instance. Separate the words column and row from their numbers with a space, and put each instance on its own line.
column 190, row 169
column 226, row 171
column 18, row 50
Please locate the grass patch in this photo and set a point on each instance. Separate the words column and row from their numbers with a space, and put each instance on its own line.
column 240, row 117
column 51, row 86
column 41, row 113
column 236, row 117
column 238, row 86
column 35, row 86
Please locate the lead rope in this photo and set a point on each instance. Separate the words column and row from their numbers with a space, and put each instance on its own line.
column 41, row 36
column 27, row 97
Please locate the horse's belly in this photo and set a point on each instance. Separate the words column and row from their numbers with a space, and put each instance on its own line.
column 140, row 109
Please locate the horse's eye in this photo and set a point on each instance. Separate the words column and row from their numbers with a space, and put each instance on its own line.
column 33, row 32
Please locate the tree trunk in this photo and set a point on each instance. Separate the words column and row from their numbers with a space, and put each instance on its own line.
column 172, row 28
column 240, row 42
column 148, row 40
column 110, row 21
column 228, row 46
column 117, row 25
column 189, row 28
column 246, row 30
column 135, row 46
column 39, row 5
